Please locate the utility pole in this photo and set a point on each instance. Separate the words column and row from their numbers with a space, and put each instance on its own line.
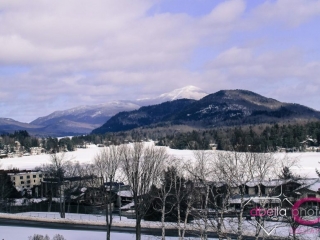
column 62, row 200
column 119, row 197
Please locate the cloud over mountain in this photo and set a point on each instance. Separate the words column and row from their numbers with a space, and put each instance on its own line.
column 59, row 55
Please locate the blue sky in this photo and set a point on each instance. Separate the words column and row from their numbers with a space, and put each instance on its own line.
column 59, row 55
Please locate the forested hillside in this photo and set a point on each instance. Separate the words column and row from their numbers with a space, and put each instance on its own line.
column 257, row 138
column 220, row 109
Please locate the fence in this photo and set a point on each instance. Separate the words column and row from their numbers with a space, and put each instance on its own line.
column 8, row 207
column 71, row 216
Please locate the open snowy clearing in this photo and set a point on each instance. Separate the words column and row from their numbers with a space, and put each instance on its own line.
column 307, row 161
column 22, row 233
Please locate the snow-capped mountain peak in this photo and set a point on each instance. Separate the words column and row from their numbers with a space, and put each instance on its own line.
column 189, row 92
column 96, row 114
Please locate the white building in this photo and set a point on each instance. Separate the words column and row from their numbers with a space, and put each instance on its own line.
column 25, row 180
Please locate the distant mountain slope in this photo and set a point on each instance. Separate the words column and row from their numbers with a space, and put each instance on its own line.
column 84, row 119
column 94, row 114
column 143, row 117
column 81, row 120
column 8, row 125
column 233, row 107
column 223, row 108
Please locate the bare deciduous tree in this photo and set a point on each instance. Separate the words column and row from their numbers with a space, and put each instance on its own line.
column 234, row 169
column 164, row 197
column 201, row 173
column 185, row 198
column 238, row 170
column 142, row 166
column 107, row 163
column 56, row 169
column 3, row 186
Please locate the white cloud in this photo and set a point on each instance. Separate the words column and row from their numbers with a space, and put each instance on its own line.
column 89, row 52
column 227, row 12
column 290, row 12
column 283, row 75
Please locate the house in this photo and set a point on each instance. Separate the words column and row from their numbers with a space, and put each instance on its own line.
column 290, row 189
column 17, row 147
column 126, row 196
column 89, row 196
column 309, row 145
column 36, row 150
column 213, row 146
column 309, row 189
column 51, row 185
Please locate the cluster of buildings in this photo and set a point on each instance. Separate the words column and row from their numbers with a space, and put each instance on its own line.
column 255, row 194
column 17, row 150
column 88, row 190
column 85, row 190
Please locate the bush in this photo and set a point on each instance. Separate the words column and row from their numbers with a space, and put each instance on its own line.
column 46, row 237
column 58, row 237
column 39, row 237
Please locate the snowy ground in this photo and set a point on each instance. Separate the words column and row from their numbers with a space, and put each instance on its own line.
column 307, row 162
column 9, row 232
column 22, row 233
column 80, row 217
column 280, row 229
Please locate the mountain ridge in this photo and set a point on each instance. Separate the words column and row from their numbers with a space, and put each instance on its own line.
column 223, row 108
column 83, row 119
column 187, row 92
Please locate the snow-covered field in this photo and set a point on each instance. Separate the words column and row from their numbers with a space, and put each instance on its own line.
column 22, row 233
column 307, row 161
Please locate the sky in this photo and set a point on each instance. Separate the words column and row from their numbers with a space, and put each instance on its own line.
column 56, row 55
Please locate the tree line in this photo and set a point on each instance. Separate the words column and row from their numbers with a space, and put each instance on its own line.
column 268, row 138
column 22, row 141
column 256, row 138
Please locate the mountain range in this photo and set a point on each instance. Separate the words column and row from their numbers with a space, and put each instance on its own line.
column 223, row 108
column 84, row 119
column 189, row 106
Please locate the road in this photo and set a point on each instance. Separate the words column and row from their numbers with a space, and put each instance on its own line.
column 85, row 227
